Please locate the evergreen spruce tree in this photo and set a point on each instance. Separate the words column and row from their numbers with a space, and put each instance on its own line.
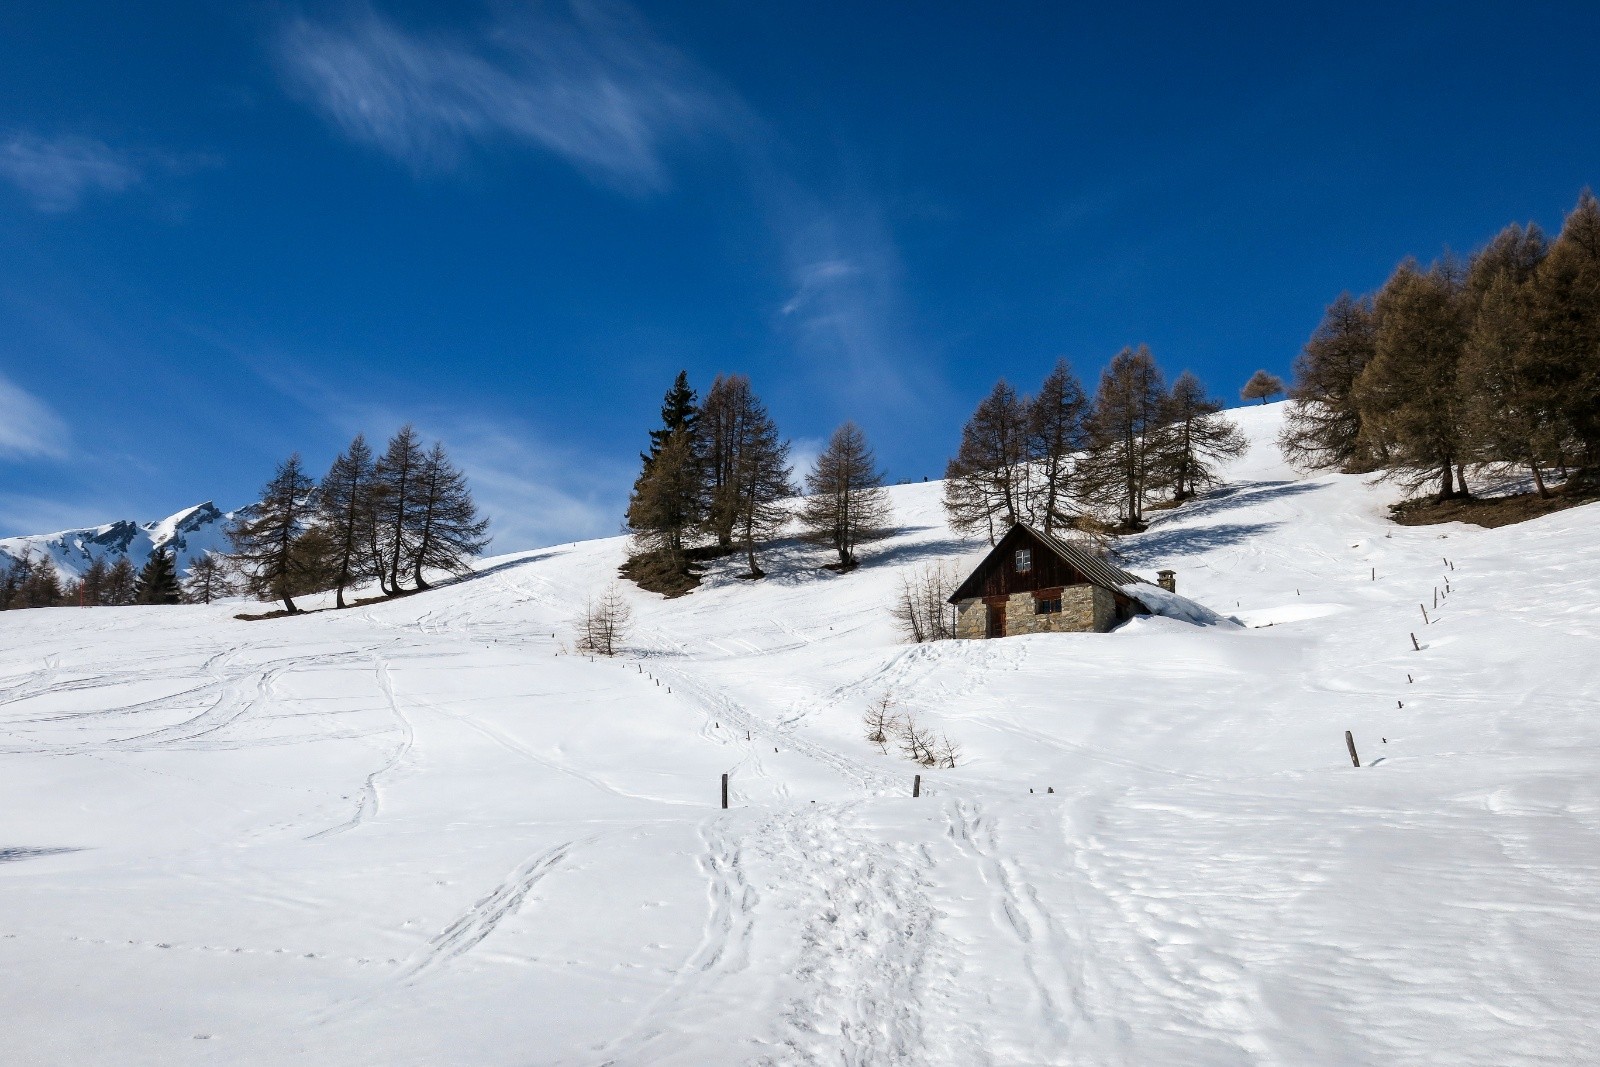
column 669, row 497
column 847, row 505
column 1323, row 428
column 449, row 531
column 986, row 484
column 1409, row 394
column 1056, row 433
column 662, row 513
column 679, row 411
column 158, row 580
column 395, row 505
column 206, row 581
column 1262, row 386
column 263, row 536
column 344, row 509
column 119, row 585
column 1129, row 410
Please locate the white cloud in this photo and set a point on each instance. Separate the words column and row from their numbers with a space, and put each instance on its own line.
column 593, row 87
column 27, row 425
column 844, row 314
column 56, row 173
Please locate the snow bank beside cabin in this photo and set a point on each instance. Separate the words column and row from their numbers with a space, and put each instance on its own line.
column 1158, row 601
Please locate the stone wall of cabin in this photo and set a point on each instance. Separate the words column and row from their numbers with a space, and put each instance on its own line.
column 1084, row 609
column 972, row 620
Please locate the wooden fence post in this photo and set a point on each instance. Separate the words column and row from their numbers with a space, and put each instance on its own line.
column 1349, row 743
column 1424, row 608
column 724, row 791
column 1414, row 644
column 916, row 786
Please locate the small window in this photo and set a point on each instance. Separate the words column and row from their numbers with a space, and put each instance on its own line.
column 1047, row 607
column 1024, row 560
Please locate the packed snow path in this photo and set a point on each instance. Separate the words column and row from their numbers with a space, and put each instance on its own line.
column 414, row 833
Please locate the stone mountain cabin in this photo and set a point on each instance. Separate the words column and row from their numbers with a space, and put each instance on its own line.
column 1033, row 583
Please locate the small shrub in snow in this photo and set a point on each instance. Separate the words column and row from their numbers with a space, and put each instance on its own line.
column 882, row 723
column 920, row 608
column 604, row 623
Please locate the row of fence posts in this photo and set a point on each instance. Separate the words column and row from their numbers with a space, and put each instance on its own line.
column 1349, row 740
column 916, row 782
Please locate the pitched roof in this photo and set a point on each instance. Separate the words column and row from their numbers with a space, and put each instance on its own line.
column 1098, row 570
column 1094, row 567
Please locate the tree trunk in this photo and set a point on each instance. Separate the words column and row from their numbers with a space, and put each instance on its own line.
column 1461, row 483
column 1447, row 487
column 1538, row 480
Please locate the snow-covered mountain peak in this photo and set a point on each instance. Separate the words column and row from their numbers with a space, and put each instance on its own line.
column 189, row 533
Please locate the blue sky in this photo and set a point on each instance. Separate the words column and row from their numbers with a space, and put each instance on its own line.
column 233, row 231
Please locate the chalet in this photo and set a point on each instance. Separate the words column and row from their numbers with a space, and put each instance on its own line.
column 1033, row 583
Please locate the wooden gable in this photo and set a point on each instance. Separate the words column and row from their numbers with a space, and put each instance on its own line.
column 998, row 575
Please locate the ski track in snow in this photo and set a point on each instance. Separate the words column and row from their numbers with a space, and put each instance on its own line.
column 1210, row 882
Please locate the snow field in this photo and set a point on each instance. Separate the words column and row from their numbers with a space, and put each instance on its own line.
column 414, row 833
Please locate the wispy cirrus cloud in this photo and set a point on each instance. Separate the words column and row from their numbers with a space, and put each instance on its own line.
column 844, row 312
column 28, row 427
column 57, row 173
column 589, row 83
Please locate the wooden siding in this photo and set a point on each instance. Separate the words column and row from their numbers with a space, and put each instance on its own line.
column 1000, row 577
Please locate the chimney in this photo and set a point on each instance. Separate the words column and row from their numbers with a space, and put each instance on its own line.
column 1167, row 580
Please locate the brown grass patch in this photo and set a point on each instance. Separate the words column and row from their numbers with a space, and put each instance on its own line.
column 1493, row 511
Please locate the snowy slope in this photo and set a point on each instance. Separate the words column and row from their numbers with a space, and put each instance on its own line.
column 190, row 533
column 413, row 833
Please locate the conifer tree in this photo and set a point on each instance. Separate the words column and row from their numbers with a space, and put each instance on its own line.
column 847, row 505
column 41, row 588
column 1323, row 427
column 1567, row 304
column 718, row 431
column 120, row 579
column 29, row 583
column 206, row 581
column 10, row 583
column 158, row 580
column 1408, row 393
column 449, row 531
column 92, row 587
column 1261, row 386
column 1195, row 438
column 986, row 483
column 763, row 477
column 344, row 509
column 679, row 411
column 1056, row 432
column 663, row 511
column 395, row 502
column 1123, row 447
column 263, row 536
column 1512, row 407
column 668, row 497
